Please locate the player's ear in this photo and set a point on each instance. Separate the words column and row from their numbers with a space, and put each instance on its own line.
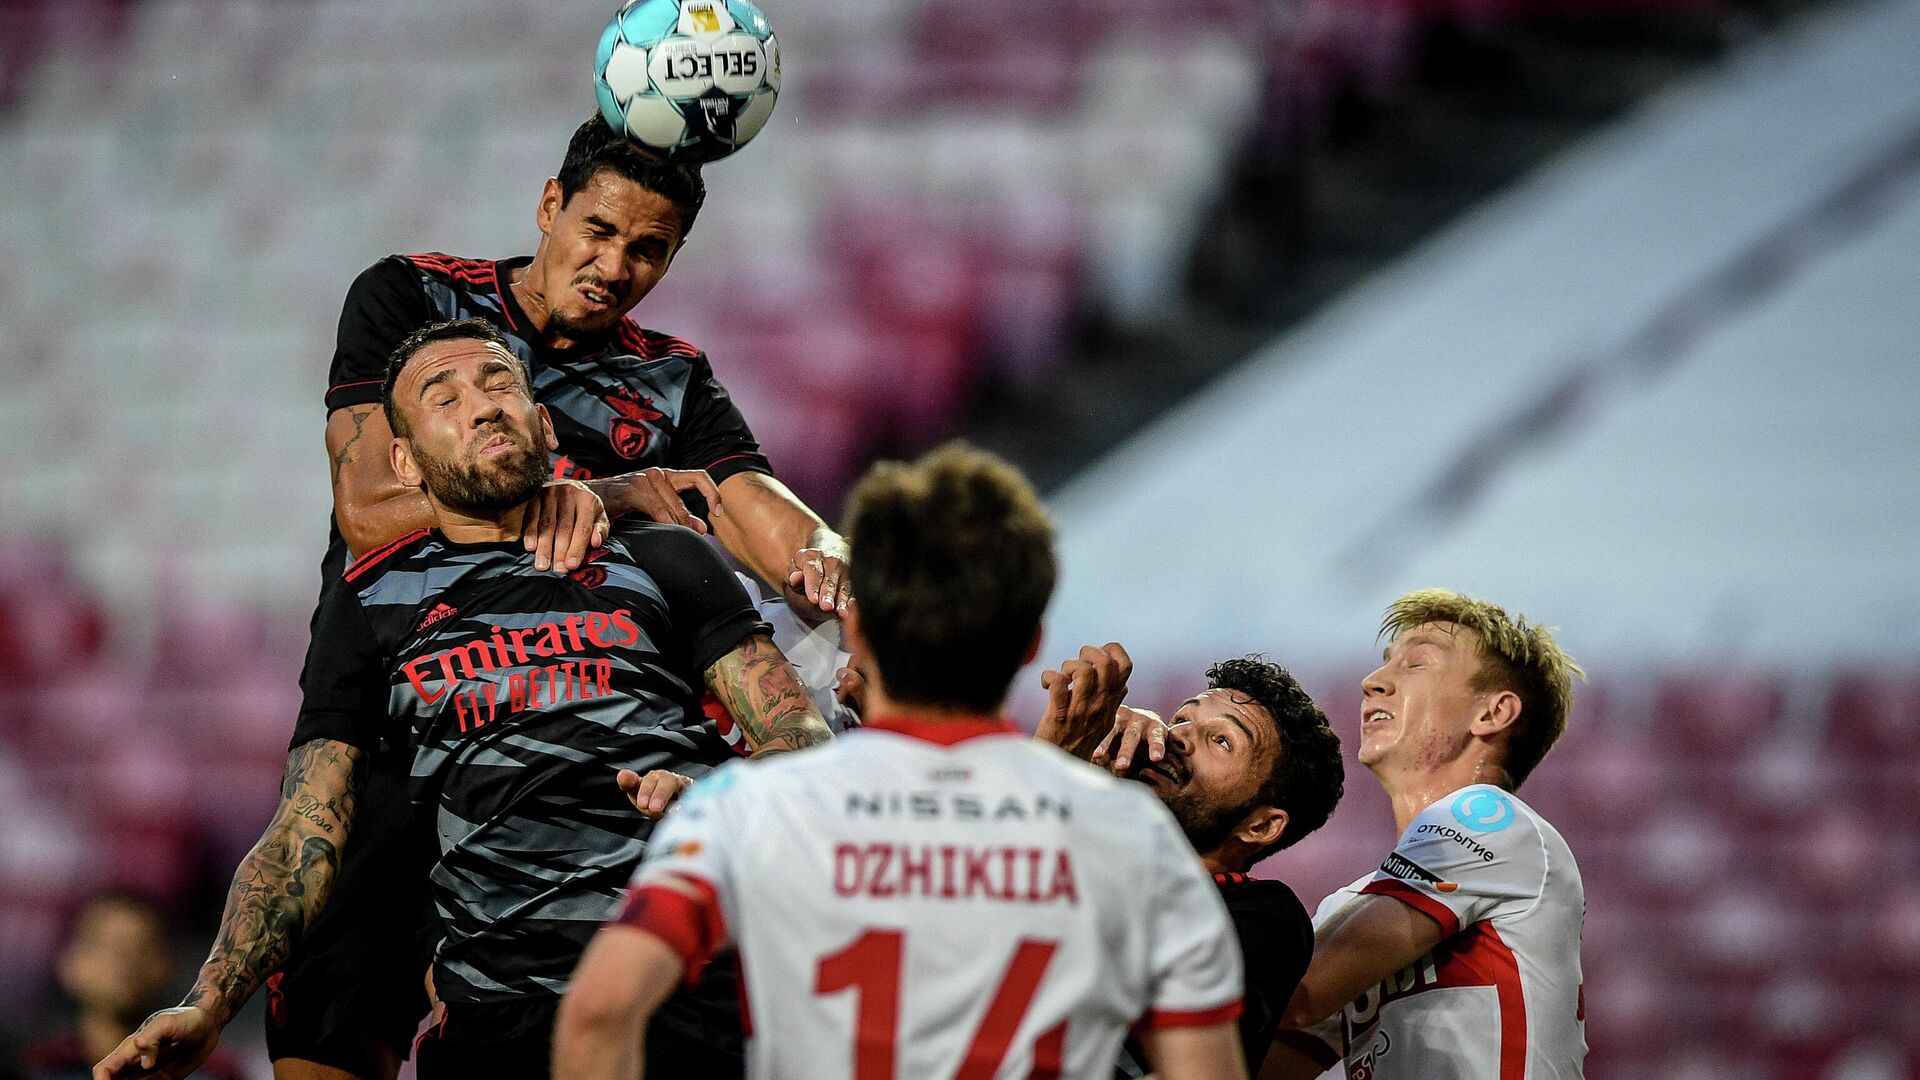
column 404, row 467
column 852, row 636
column 1503, row 711
column 546, row 428
column 1033, row 647
column 551, row 200
column 1262, row 826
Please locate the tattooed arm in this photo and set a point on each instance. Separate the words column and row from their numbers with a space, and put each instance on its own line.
column 370, row 504
column 278, row 889
column 766, row 699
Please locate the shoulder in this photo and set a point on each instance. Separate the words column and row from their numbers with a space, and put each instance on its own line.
column 391, row 279
column 650, row 541
column 1477, row 810
column 647, row 344
column 1269, row 917
column 371, row 566
column 1264, row 899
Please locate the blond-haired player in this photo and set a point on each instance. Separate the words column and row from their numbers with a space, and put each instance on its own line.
column 1460, row 956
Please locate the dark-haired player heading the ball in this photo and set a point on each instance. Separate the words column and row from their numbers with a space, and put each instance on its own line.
column 640, row 418
column 521, row 693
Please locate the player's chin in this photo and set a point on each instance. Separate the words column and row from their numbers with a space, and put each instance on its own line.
column 581, row 318
column 1372, row 750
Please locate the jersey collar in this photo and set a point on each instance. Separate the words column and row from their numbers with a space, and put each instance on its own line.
column 943, row 732
column 509, row 303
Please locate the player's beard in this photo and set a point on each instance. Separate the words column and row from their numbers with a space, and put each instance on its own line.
column 1205, row 824
column 476, row 486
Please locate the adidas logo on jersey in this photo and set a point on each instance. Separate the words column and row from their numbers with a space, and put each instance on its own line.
column 440, row 613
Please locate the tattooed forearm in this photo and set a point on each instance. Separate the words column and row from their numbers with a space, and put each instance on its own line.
column 343, row 457
column 765, row 697
column 283, row 881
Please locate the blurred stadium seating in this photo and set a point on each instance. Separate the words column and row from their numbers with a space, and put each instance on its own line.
column 948, row 188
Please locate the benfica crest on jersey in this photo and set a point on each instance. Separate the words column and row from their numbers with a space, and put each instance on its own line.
column 633, row 419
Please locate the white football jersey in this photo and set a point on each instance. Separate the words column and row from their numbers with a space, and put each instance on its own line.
column 1501, row 997
column 947, row 901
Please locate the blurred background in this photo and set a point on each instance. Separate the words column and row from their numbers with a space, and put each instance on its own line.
column 1603, row 309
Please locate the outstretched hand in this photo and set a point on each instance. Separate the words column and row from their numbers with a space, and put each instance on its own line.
column 169, row 1045
column 653, row 793
column 1082, row 697
column 1131, row 729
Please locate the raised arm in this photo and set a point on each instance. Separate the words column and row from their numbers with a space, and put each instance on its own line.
column 1362, row 944
column 767, row 527
column 765, row 697
column 370, row 504
column 278, row 889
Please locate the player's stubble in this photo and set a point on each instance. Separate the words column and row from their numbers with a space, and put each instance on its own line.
column 475, row 485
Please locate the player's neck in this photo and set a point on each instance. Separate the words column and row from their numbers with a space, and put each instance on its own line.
column 529, row 287
column 1413, row 790
column 466, row 527
column 880, row 704
column 1219, row 861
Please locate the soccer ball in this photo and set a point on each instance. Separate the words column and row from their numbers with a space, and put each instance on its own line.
column 691, row 79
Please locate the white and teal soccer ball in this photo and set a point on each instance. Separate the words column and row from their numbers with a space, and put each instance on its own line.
column 694, row 80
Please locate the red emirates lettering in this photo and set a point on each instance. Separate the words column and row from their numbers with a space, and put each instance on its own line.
column 562, row 681
column 510, row 648
column 949, row 872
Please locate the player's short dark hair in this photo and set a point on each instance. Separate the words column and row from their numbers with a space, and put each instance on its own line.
column 1306, row 776
column 473, row 329
column 596, row 146
column 952, row 566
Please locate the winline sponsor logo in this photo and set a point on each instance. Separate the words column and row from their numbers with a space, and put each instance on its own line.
column 1406, row 869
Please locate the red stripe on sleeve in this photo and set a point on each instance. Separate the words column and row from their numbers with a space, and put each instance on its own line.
column 1419, row 901
column 1183, row 1018
column 693, row 927
column 366, row 562
column 729, row 457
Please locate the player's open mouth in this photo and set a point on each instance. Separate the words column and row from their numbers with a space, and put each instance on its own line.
column 1376, row 716
column 599, row 298
column 1167, row 769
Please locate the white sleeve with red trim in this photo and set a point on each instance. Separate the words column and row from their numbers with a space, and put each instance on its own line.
column 1472, row 856
column 679, row 892
column 1194, row 953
